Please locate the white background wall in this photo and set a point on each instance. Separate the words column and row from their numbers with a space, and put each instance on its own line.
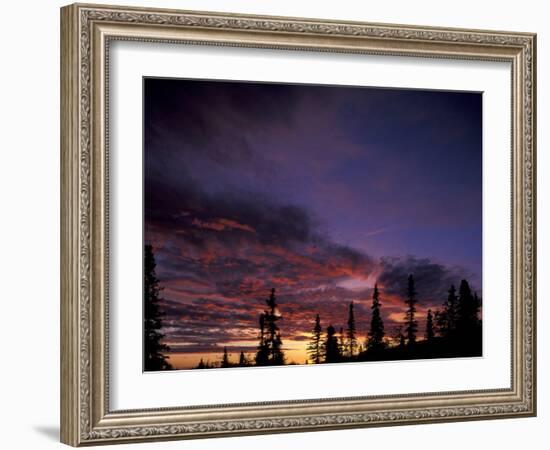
column 29, row 222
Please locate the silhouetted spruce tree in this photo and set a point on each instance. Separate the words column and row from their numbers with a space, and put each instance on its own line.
column 376, row 333
column 225, row 358
column 429, row 326
column 201, row 364
column 400, row 337
column 262, row 354
column 275, row 355
column 154, row 349
column 468, row 308
column 446, row 319
column 351, row 332
column 411, row 326
column 315, row 346
column 243, row 362
column 332, row 353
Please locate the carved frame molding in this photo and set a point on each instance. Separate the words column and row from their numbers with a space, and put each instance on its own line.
column 86, row 31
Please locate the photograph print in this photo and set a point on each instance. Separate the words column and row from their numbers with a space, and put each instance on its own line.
column 293, row 224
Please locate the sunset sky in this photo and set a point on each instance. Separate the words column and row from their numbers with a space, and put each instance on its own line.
column 317, row 191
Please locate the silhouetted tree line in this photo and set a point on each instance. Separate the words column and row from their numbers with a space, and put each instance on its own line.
column 454, row 330
column 269, row 351
column 451, row 331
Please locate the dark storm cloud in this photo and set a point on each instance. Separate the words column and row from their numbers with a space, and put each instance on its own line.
column 185, row 212
column 185, row 205
column 432, row 280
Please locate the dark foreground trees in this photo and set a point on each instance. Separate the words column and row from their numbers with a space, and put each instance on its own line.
column 315, row 346
column 452, row 331
column 411, row 325
column 458, row 321
column 430, row 333
column 270, row 348
column 376, row 333
column 332, row 349
column 154, row 348
column 225, row 358
column 447, row 317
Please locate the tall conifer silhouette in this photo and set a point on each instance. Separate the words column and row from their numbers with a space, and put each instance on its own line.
column 315, row 346
column 446, row 320
column 376, row 333
column 262, row 354
column 411, row 326
column 154, row 349
column 225, row 358
column 270, row 350
column 468, row 308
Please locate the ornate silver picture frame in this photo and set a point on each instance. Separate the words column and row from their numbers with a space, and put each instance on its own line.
column 87, row 33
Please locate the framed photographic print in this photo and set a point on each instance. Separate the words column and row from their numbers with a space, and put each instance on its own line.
column 275, row 225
